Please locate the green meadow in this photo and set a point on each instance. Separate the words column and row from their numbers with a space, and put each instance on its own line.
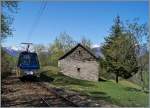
column 124, row 93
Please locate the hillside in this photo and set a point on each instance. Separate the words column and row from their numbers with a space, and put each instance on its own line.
column 124, row 93
column 12, row 52
column 8, row 63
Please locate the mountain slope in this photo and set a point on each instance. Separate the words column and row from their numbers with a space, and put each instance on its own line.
column 11, row 52
column 97, row 52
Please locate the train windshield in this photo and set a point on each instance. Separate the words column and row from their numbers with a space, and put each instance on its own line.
column 28, row 61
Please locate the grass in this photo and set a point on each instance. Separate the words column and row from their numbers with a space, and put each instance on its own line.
column 124, row 93
column 146, row 79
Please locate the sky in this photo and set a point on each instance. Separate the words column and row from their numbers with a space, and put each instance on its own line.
column 92, row 20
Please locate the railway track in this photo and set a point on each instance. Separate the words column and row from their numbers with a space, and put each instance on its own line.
column 51, row 91
column 58, row 95
column 16, row 93
column 31, row 94
column 46, row 103
column 31, row 85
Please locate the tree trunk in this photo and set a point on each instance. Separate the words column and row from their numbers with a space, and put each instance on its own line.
column 117, row 77
column 141, row 74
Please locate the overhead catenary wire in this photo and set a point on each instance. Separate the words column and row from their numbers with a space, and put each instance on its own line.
column 37, row 20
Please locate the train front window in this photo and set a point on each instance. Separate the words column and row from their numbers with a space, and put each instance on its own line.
column 29, row 59
column 26, row 59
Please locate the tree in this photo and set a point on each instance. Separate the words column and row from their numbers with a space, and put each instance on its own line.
column 56, row 51
column 119, row 53
column 8, row 62
column 61, row 45
column 42, row 54
column 86, row 42
column 6, row 19
column 139, row 33
column 65, row 41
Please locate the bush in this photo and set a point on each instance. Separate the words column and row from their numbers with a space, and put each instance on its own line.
column 7, row 64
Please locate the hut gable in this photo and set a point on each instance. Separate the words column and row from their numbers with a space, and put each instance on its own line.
column 79, row 52
column 79, row 63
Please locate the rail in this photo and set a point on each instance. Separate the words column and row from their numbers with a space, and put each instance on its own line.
column 54, row 92
column 57, row 94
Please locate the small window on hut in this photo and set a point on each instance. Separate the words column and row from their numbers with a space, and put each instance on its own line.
column 79, row 52
column 78, row 69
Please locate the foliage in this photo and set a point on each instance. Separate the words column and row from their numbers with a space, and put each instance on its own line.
column 61, row 45
column 6, row 19
column 43, row 55
column 7, row 64
column 124, row 93
column 65, row 41
column 12, row 6
column 55, row 56
column 138, row 31
column 119, row 53
column 86, row 42
column 140, row 34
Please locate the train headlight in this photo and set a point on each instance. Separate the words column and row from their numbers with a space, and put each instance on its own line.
column 31, row 72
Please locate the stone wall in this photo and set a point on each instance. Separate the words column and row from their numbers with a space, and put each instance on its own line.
column 81, row 54
column 80, row 64
column 87, row 70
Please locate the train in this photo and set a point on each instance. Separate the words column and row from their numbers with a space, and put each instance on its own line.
column 28, row 65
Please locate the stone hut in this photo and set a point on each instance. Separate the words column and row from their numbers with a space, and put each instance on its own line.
column 79, row 63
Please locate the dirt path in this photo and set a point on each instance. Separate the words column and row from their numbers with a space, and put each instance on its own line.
column 19, row 94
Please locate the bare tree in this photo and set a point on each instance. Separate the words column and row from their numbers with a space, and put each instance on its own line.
column 139, row 33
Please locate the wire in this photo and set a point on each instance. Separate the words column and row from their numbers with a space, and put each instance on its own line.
column 37, row 20
column 43, row 5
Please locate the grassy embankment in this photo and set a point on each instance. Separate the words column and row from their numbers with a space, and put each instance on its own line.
column 124, row 93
